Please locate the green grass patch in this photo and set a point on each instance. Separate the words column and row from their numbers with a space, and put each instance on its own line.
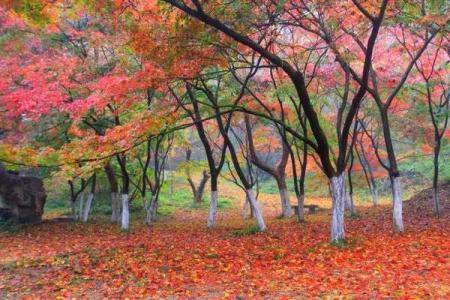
column 246, row 231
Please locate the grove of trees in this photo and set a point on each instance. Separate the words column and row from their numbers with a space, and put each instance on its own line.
column 281, row 89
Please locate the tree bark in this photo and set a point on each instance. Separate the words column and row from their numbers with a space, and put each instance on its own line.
column 437, row 149
column 286, row 209
column 212, row 214
column 80, row 206
column 115, row 206
column 87, row 207
column 301, row 209
column 337, row 186
column 148, row 211
column 125, row 212
column 256, row 209
column 397, row 212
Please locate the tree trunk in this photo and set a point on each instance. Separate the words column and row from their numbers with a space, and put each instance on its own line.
column 125, row 212
column 148, row 211
column 301, row 208
column 348, row 203
column 437, row 149
column 80, row 206
column 337, row 187
column 154, row 208
column 257, row 211
column 74, row 210
column 375, row 196
column 212, row 214
column 115, row 207
column 246, row 208
column 87, row 207
column 201, row 187
column 286, row 209
column 397, row 212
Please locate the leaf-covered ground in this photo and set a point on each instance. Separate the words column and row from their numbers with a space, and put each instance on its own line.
column 178, row 258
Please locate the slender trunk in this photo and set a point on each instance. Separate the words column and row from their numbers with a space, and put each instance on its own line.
column 393, row 174
column 437, row 149
column 337, row 186
column 375, row 196
column 301, row 209
column 202, row 185
column 212, row 214
column 87, row 207
column 115, row 196
column 397, row 213
column 125, row 212
column 256, row 209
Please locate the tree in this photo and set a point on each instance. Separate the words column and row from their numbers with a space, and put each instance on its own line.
column 200, row 12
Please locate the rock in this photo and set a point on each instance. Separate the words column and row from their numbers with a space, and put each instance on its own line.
column 22, row 199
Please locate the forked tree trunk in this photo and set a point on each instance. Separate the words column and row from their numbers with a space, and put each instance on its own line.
column 397, row 213
column 125, row 212
column 256, row 209
column 87, row 207
column 337, row 187
column 301, row 208
column 212, row 214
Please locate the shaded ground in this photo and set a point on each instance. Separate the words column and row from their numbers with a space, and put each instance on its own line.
column 178, row 258
column 422, row 203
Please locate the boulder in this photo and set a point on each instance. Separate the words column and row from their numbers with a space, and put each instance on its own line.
column 22, row 199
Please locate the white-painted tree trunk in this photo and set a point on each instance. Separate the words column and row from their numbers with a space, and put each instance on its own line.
column 256, row 210
column 337, row 186
column 246, row 210
column 212, row 214
column 397, row 212
column 80, row 206
column 301, row 210
column 125, row 212
column 148, row 211
column 115, row 207
column 375, row 197
column 87, row 207
column 285, row 203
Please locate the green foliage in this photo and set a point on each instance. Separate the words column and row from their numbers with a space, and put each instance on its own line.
column 33, row 11
column 251, row 230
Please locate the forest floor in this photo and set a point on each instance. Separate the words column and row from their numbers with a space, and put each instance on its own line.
column 178, row 258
